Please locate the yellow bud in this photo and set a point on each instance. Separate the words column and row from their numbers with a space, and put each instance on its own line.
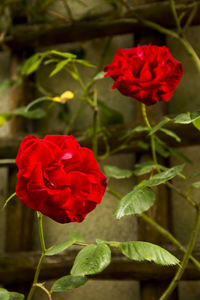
column 64, row 97
column 67, row 95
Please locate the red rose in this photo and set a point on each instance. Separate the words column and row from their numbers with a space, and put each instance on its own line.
column 146, row 73
column 58, row 177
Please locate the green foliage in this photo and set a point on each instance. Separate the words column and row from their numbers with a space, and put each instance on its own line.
column 108, row 115
column 117, row 173
column 196, row 184
column 68, row 282
column 159, row 126
column 132, row 132
column 4, row 117
column 92, row 259
column 139, row 200
column 146, row 167
column 163, row 176
column 59, row 248
column 16, row 296
column 37, row 113
column 4, row 294
column 77, row 237
column 144, row 251
column 171, row 134
column 186, row 118
column 196, row 123
column 60, row 65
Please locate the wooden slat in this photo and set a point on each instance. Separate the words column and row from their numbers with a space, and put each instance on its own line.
column 22, row 36
column 20, row 267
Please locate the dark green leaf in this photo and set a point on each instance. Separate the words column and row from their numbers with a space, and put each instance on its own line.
column 68, row 282
column 115, row 172
column 4, row 117
column 32, row 64
column 77, row 237
column 179, row 155
column 109, row 116
column 59, row 66
column 196, row 123
column 4, row 294
column 99, row 75
column 196, row 184
column 62, row 54
column 85, row 63
column 134, row 131
column 59, row 248
column 163, row 176
column 146, row 167
column 144, row 251
column 160, row 148
column 139, row 200
column 186, row 118
column 171, row 133
column 15, row 296
column 159, row 126
column 92, row 259
column 37, row 113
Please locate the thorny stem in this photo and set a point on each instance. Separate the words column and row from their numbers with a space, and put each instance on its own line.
column 41, row 234
column 95, row 126
column 160, row 229
column 186, row 257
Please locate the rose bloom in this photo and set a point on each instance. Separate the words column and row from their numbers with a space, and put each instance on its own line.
column 147, row 73
column 58, row 177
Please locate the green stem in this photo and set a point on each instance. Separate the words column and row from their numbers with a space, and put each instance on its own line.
column 95, row 126
column 173, row 9
column 153, row 146
column 41, row 234
column 160, row 229
column 186, row 257
column 9, row 198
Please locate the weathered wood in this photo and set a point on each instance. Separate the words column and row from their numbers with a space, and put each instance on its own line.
column 20, row 267
column 22, row 36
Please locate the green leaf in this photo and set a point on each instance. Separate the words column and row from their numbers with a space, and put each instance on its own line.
column 179, row 155
column 68, row 282
column 160, row 148
column 99, row 75
column 196, row 184
column 62, row 54
column 117, row 173
column 4, row 294
column 159, row 126
column 146, row 167
column 109, row 116
column 37, row 113
column 137, row 129
column 4, row 84
column 171, row 133
column 4, row 117
column 187, row 118
column 140, row 199
column 92, row 259
column 32, row 64
column 144, row 251
column 85, row 63
column 59, row 66
column 76, row 237
column 59, row 248
column 163, row 176
column 15, row 296
column 196, row 123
